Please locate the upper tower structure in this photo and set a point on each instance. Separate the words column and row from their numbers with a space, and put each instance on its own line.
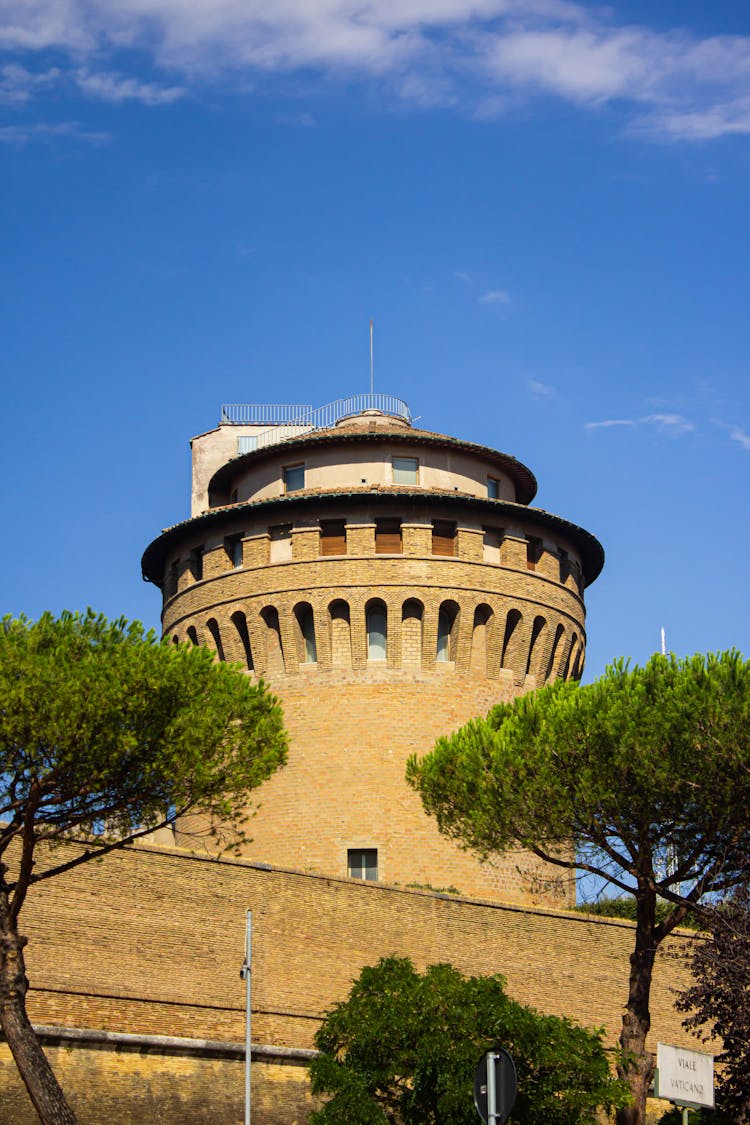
column 390, row 584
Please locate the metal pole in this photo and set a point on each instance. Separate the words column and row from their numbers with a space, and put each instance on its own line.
column 372, row 369
column 491, row 1089
column 685, row 1112
column 247, row 973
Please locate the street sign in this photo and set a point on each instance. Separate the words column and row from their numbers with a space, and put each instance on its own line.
column 684, row 1077
column 495, row 1086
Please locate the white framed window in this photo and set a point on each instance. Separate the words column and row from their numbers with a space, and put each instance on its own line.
column 362, row 863
column 405, row 470
column 294, row 478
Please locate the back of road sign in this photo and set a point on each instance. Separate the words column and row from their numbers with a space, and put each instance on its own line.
column 495, row 1086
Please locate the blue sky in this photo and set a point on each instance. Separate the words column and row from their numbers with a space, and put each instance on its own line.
column 542, row 204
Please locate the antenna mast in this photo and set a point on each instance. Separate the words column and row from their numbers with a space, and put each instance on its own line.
column 372, row 375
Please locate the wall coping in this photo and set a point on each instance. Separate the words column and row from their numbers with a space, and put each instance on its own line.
column 169, row 1044
column 373, row 887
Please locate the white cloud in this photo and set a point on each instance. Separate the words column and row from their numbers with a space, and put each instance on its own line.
column 739, row 435
column 484, row 55
column 495, row 297
column 120, row 88
column 20, row 135
column 540, row 390
column 675, row 424
column 17, row 84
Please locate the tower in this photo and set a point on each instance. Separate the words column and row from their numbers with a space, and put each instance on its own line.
column 389, row 584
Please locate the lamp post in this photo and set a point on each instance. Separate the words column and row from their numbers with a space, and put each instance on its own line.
column 245, row 974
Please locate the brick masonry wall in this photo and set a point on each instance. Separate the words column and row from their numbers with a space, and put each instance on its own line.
column 150, row 941
column 353, row 721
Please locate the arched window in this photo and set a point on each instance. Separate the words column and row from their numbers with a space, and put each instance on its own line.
column 192, row 635
column 308, row 652
column 240, row 623
column 446, row 629
column 377, row 631
column 212, row 626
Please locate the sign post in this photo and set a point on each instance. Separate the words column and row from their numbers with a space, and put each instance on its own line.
column 684, row 1077
column 495, row 1086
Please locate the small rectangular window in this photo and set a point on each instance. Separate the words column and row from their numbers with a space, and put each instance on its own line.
column 333, row 537
column 388, row 537
column 294, row 478
column 493, row 488
column 443, row 538
column 362, row 863
column 233, row 548
column 405, row 470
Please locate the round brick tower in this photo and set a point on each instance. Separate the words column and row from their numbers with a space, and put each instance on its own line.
column 389, row 584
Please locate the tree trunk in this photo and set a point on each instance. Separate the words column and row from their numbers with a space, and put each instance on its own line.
column 44, row 1089
column 636, row 1066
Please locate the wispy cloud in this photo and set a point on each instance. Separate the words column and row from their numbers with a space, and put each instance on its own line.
column 112, row 87
column 741, row 436
column 461, row 275
column 673, row 424
column 44, row 133
column 486, row 56
column 608, row 422
column 540, row 390
column 18, row 85
column 495, row 297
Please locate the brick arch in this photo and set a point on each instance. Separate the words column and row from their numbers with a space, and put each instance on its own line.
column 448, row 626
column 536, row 650
column 340, row 633
column 212, row 634
column 556, row 647
column 482, row 627
column 412, row 627
column 376, row 629
column 569, row 656
column 273, row 648
column 191, row 634
column 303, row 620
column 512, row 637
column 239, row 623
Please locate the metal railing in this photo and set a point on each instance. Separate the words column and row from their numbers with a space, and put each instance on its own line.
column 260, row 414
column 291, row 421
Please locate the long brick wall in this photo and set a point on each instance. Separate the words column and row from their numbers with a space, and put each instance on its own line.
column 150, row 942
